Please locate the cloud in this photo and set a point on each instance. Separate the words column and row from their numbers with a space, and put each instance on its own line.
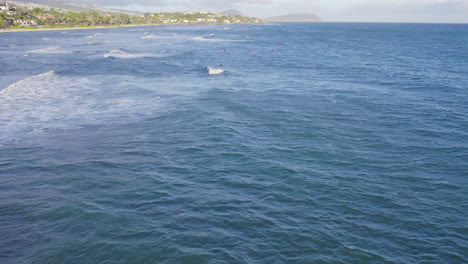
column 410, row 11
column 330, row 10
column 418, row 5
column 164, row 3
column 259, row 8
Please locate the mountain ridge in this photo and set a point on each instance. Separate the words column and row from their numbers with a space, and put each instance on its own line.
column 299, row 17
column 232, row 12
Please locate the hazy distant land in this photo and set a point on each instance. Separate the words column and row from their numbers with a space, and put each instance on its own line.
column 295, row 18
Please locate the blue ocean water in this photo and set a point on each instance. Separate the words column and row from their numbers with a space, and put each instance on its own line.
column 319, row 143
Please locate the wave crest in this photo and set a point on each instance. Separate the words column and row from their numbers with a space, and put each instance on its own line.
column 26, row 86
column 49, row 102
column 125, row 55
column 208, row 39
column 151, row 37
column 49, row 50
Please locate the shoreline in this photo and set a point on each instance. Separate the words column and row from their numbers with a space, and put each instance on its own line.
column 103, row 27
column 70, row 28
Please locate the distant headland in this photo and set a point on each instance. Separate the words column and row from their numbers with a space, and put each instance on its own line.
column 295, row 18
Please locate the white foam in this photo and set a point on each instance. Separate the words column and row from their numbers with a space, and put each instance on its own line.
column 48, row 102
column 151, row 37
column 214, row 71
column 13, row 89
column 37, row 103
column 211, row 39
column 93, row 36
column 124, row 55
column 49, row 50
column 198, row 39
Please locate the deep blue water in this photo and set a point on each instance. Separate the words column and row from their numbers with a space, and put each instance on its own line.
column 320, row 143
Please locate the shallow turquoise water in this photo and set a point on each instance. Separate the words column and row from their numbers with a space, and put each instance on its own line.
column 320, row 143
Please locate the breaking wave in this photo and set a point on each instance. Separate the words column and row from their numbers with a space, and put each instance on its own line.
column 208, row 39
column 42, row 102
column 125, row 55
column 25, row 86
column 49, row 50
column 151, row 37
column 50, row 102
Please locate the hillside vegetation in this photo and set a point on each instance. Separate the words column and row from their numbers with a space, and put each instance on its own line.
column 40, row 17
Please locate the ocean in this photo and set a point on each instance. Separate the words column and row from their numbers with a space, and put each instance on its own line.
column 279, row 143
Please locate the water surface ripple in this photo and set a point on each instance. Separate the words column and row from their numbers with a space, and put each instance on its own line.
column 319, row 143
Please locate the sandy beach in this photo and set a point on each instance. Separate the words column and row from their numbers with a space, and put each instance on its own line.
column 71, row 28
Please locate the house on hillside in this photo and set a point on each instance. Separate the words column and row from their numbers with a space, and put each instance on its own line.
column 25, row 23
column 4, row 7
column 45, row 17
column 207, row 20
column 12, row 11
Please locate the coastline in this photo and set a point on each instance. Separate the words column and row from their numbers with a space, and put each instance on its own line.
column 71, row 28
column 105, row 27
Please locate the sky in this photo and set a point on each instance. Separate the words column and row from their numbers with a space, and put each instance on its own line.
column 435, row 11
